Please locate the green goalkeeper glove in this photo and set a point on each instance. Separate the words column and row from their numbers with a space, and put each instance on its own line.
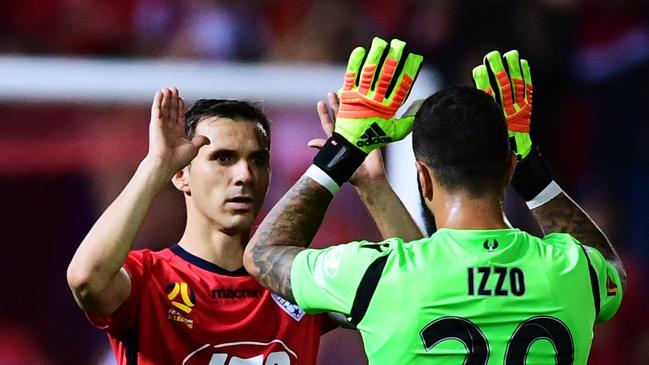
column 532, row 179
column 516, row 102
column 366, row 117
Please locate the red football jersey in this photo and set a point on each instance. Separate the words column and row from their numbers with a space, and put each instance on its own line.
column 186, row 310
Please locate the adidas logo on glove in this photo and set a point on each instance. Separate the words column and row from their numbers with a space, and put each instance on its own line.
column 373, row 135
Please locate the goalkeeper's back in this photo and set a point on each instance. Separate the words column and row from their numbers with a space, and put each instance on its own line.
column 476, row 292
column 492, row 296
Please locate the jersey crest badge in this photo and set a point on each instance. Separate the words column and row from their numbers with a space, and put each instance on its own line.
column 182, row 297
column 490, row 245
column 291, row 309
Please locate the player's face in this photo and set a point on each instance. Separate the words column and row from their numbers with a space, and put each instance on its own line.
column 228, row 179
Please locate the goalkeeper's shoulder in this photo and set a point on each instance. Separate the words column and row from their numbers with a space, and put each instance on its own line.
column 363, row 248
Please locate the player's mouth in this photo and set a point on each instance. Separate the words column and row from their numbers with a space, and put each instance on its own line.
column 240, row 203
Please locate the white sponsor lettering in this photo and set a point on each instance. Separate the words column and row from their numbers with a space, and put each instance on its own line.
column 242, row 353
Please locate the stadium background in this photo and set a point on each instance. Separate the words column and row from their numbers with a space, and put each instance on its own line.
column 61, row 163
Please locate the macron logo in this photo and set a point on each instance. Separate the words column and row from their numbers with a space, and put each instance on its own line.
column 373, row 135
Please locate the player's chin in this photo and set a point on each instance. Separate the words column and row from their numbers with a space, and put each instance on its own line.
column 241, row 220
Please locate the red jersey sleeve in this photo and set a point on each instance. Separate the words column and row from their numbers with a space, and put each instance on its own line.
column 137, row 266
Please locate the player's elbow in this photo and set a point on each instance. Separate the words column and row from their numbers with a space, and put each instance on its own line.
column 95, row 296
column 83, row 280
column 79, row 280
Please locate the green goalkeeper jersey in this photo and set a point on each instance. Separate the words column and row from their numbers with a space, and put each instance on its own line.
column 464, row 296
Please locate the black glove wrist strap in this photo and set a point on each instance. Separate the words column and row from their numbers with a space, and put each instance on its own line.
column 339, row 159
column 531, row 175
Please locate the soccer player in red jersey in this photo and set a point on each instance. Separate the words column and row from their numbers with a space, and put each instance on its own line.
column 194, row 303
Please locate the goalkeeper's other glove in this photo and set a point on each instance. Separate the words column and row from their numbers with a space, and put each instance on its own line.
column 366, row 117
column 514, row 94
column 516, row 102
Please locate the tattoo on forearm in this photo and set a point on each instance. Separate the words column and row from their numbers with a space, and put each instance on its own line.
column 274, row 264
column 286, row 230
column 563, row 215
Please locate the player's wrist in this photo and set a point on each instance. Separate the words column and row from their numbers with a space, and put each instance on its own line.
column 548, row 193
column 316, row 174
column 156, row 166
column 335, row 163
column 371, row 185
column 532, row 177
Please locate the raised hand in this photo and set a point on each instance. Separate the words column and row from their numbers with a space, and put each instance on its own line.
column 372, row 168
column 366, row 116
column 514, row 94
column 167, row 141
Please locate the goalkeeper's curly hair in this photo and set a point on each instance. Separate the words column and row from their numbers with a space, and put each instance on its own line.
column 461, row 134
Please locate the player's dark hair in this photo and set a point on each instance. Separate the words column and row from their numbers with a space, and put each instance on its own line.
column 234, row 109
column 461, row 134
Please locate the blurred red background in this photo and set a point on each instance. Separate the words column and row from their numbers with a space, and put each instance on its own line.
column 61, row 164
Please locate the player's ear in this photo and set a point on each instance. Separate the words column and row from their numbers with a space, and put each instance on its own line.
column 511, row 167
column 181, row 180
column 425, row 181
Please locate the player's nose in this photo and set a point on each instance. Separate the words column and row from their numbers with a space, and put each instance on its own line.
column 242, row 173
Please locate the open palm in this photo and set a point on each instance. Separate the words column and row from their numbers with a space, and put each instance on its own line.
column 167, row 141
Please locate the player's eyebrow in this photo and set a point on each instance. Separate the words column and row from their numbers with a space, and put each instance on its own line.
column 221, row 152
column 261, row 153
column 230, row 152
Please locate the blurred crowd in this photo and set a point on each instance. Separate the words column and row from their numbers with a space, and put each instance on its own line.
column 590, row 67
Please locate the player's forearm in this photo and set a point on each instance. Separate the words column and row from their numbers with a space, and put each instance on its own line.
column 564, row 215
column 387, row 210
column 555, row 211
column 105, row 248
column 287, row 229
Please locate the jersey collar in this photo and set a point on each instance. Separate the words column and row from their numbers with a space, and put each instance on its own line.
column 482, row 240
column 204, row 264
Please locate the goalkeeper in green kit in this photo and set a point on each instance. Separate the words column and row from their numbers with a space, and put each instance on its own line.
column 477, row 291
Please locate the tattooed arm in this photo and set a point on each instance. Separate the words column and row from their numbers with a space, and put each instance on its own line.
column 563, row 215
column 286, row 230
